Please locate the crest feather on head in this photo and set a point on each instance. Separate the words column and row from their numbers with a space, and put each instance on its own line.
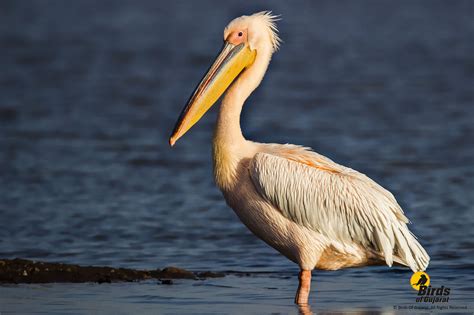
column 270, row 20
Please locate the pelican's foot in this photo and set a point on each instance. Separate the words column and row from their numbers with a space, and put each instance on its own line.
column 302, row 294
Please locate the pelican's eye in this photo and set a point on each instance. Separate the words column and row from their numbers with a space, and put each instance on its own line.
column 240, row 33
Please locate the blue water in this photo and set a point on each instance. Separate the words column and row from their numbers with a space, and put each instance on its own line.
column 90, row 91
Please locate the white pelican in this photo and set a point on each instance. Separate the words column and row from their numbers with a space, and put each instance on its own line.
column 317, row 213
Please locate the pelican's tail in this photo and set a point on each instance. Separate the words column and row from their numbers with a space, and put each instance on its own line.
column 409, row 251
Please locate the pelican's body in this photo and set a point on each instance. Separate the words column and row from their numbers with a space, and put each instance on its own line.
column 314, row 211
column 312, row 240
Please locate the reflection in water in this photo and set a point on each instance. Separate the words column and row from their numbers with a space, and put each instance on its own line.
column 305, row 309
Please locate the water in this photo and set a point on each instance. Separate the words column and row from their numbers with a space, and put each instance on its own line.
column 90, row 91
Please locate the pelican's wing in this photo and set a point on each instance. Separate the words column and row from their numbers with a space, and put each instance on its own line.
column 335, row 201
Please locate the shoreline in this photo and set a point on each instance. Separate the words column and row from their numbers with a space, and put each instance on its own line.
column 19, row 270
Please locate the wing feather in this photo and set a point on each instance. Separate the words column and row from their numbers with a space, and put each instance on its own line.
column 338, row 202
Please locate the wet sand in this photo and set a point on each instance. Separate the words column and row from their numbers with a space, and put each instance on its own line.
column 29, row 271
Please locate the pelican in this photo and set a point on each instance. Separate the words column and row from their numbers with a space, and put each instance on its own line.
column 317, row 213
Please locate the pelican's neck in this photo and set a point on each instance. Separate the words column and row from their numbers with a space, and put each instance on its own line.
column 229, row 145
column 228, row 130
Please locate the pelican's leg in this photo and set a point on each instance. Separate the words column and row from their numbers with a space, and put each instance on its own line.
column 303, row 289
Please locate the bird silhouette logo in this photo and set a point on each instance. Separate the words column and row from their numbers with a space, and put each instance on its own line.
column 419, row 279
column 422, row 281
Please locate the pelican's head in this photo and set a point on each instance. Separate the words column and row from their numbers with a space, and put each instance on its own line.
column 244, row 39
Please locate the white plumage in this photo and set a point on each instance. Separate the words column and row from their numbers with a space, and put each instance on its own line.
column 345, row 206
column 314, row 211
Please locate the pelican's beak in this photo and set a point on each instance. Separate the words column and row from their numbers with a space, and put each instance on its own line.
column 227, row 66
